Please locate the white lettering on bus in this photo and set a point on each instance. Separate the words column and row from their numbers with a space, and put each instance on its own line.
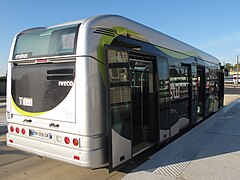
column 65, row 83
column 20, row 100
column 21, row 56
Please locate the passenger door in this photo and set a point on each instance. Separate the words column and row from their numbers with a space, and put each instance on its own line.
column 143, row 98
column 194, row 93
column 119, row 107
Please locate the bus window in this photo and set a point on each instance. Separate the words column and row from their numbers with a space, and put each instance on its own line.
column 46, row 42
column 163, row 98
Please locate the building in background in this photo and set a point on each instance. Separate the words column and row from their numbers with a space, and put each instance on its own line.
column 231, row 78
column 3, row 83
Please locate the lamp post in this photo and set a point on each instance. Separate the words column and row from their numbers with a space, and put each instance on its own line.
column 237, row 69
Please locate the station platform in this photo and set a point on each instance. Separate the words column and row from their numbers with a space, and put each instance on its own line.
column 211, row 150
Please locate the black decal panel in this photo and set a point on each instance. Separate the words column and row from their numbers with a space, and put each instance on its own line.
column 41, row 87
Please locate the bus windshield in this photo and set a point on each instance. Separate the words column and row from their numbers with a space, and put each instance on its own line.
column 44, row 42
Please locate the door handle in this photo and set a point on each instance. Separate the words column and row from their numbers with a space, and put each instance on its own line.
column 27, row 120
column 53, row 125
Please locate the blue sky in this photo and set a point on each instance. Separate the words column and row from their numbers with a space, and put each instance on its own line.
column 210, row 25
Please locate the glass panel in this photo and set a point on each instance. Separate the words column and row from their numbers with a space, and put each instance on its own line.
column 184, row 94
column 184, row 83
column 115, row 56
column 174, row 80
column 120, row 94
column 179, row 88
column 163, row 70
column 214, row 83
column 118, row 75
column 163, row 76
column 46, row 42
column 207, row 81
column 201, row 90
column 141, row 81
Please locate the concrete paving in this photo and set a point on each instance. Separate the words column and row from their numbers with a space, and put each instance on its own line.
column 209, row 151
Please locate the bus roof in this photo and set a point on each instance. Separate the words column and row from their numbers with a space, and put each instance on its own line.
column 152, row 36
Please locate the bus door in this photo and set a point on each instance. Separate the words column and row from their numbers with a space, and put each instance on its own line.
column 198, row 92
column 119, row 107
column 194, row 94
column 201, row 86
column 142, row 88
column 184, row 104
column 130, row 104
column 221, row 87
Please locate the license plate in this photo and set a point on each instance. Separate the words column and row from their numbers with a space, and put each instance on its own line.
column 40, row 134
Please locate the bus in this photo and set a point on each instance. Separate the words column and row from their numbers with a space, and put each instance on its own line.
column 98, row 91
column 230, row 79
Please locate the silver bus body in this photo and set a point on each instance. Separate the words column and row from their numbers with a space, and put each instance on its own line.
column 82, row 115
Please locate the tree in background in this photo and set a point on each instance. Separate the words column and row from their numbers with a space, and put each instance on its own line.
column 229, row 66
column 235, row 67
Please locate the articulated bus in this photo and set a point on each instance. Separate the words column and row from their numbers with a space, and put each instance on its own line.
column 97, row 92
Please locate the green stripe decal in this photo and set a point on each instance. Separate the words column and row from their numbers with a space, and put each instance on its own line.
column 107, row 40
column 178, row 55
